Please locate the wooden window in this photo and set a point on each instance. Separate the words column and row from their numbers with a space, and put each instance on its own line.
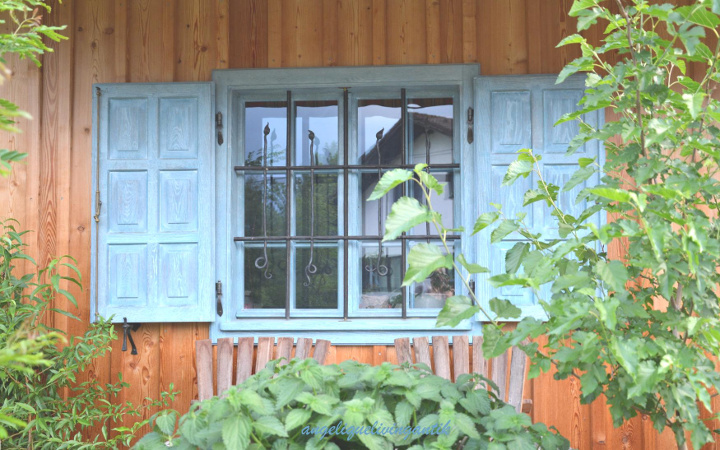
column 259, row 181
column 301, row 246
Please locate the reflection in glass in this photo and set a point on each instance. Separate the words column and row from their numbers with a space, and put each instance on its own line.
column 258, row 115
column 326, row 204
column 444, row 204
column 381, row 291
column 274, row 204
column 430, row 121
column 374, row 116
column 320, row 117
column 317, row 290
column 265, row 288
column 370, row 210
column 433, row 291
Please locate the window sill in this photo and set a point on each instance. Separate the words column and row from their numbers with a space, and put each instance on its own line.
column 414, row 324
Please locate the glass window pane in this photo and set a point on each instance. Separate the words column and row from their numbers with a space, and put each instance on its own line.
column 258, row 116
column 318, row 290
column 381, row 279
column 444, row 204
column 430, row 121
column 375, row 116
column 274, row 206
column 371, row 210
column 320, row 117
column 432, row 292
column 325, row 205
column 265, row 286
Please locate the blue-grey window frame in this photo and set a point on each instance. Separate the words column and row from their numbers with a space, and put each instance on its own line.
column 248, row 81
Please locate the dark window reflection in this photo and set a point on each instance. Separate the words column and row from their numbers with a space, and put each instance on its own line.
column 381, row 277
column 326, row 204
column 317, row 290
column 275, row 203
column 265, row 288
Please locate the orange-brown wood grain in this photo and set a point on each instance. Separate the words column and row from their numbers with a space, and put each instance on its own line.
column 184, row 40
column 433, row 31
column 451, row 30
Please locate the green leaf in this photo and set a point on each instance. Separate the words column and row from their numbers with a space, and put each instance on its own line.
column 406, row 213
column 626, row 352
column 508, row 279
column 493, row 343
column 579, row 176
column 504, row 309
column 466, row 425
column 617, row 195
column 584, row 162
column 484, row 221
column 389, row 181
column 166, row 422
column 423, row 260
column 614, row 274
column 532, row 196
column 699, row 15
column 457, row 308
column 694, row 103
column 269, row 425
column 431, row 182
column 580, row 5
column 506, row 227
column 514, row 256
column 236, row 432
column 471, row 267
column 297, row 417
column 516, row 169
column 572, row 39
column 403, row 413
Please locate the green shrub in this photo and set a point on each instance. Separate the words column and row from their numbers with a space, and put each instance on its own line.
column 638, row 331
column 281, row 406
column 42, row 404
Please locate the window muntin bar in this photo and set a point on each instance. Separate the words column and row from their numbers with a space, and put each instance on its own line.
column 344, row 177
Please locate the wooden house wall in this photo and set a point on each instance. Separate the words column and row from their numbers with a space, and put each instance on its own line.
column 184, row 40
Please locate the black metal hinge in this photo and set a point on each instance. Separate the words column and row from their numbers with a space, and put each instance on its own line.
column 127, row 329
column 470, row 118
column 218, row 298
column 219, row 127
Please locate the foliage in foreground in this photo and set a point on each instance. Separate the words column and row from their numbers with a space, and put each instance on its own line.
column 639, row 330
column 273, row 407
column 43, row 405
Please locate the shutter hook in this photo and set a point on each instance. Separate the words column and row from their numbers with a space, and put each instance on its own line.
column 127, row 328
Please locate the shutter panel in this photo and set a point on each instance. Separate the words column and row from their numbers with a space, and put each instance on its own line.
column 153, row 261
column 516, row 112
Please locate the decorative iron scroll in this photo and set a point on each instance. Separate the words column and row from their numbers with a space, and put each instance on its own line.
column 380, row 269
column 262, row 262
column 311, row 268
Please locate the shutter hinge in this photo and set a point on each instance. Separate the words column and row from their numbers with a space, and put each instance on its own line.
column 218, row 127
column 472, row 286
column 218, row 298
column 470, row 117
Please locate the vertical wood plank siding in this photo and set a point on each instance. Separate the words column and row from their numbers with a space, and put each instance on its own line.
column 184, row 40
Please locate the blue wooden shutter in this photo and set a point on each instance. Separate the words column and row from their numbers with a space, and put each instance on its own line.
column 153, row 259
column 516, row 112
